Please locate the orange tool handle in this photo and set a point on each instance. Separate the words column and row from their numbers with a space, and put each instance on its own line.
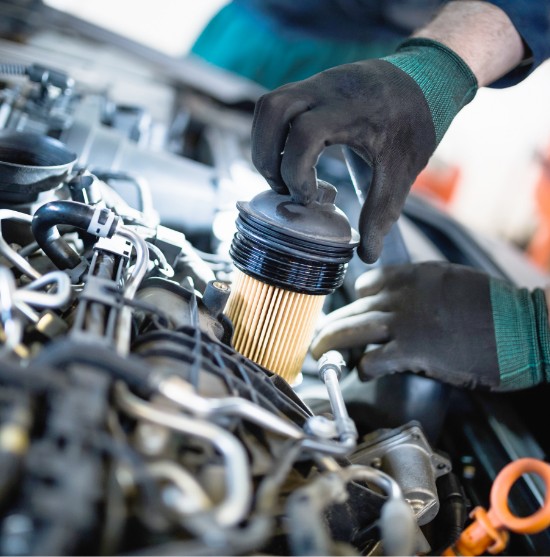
column 488, row 532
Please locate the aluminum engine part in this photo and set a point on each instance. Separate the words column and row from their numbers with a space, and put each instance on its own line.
column 405, row 454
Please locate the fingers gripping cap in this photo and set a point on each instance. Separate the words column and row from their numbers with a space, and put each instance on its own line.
column 304, row 248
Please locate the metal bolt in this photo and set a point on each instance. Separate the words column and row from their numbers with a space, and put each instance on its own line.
column 215, row 296
column 376, row 463
column 224, row 287
column 319, row 426
column 468, row 467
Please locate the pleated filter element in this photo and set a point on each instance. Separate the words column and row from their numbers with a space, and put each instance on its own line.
column 273, row 326
column 288, row 257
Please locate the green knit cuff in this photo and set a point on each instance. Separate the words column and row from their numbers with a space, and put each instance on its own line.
column 445, row 79
column 521, row 332
column 543, row 329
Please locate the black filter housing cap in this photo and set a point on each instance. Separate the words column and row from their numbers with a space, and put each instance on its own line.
column 319, row 222
column 304, row 248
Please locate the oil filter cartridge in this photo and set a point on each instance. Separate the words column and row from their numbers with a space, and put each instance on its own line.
column 288, row 257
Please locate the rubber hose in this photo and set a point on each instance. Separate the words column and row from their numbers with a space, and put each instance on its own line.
column 49, row 216
column 452, row 512
column 131, row 370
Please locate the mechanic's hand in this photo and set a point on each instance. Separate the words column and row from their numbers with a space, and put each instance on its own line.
column 445, row 321
column 391, row 111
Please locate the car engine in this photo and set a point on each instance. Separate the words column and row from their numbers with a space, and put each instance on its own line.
column 129, row 422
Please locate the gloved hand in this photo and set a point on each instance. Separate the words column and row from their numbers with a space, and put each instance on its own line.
column 391, row 111
column 445, row 321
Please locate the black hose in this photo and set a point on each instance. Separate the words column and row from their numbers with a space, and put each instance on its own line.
column 452, row 512
column 49, row 216
column 130, row 369
column 33, row 379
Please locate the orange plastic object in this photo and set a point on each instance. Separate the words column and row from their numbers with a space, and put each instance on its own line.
column 488, row 532
column 539, row 246
column 438, row 182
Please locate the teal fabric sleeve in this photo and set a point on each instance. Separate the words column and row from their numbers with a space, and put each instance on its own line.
column 241, row 41
column 522, row 335
column 445, row 79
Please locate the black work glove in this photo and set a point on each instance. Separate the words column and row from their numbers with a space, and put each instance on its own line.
column 391, row 111
column 445, row 321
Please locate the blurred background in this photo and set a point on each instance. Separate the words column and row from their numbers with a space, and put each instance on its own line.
column 492, row 169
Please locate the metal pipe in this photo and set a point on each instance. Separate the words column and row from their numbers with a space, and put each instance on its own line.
column 24, row 298
column 238, row 487
column 141, row 185
column 330, row 370
column 330, row 379
column 397, row 523
column 306, row 505
column 305, row 512
column 179, row 391
column 368, row 474
column 333, row 448
column 26, row 310
column 194, row 497
column 10, row 254
column 13, row 328
column 131, row 286
column 164, row 267
column 327, row 463
column 49, row 299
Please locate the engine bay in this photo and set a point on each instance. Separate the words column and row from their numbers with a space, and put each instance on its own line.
column 130, row 423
